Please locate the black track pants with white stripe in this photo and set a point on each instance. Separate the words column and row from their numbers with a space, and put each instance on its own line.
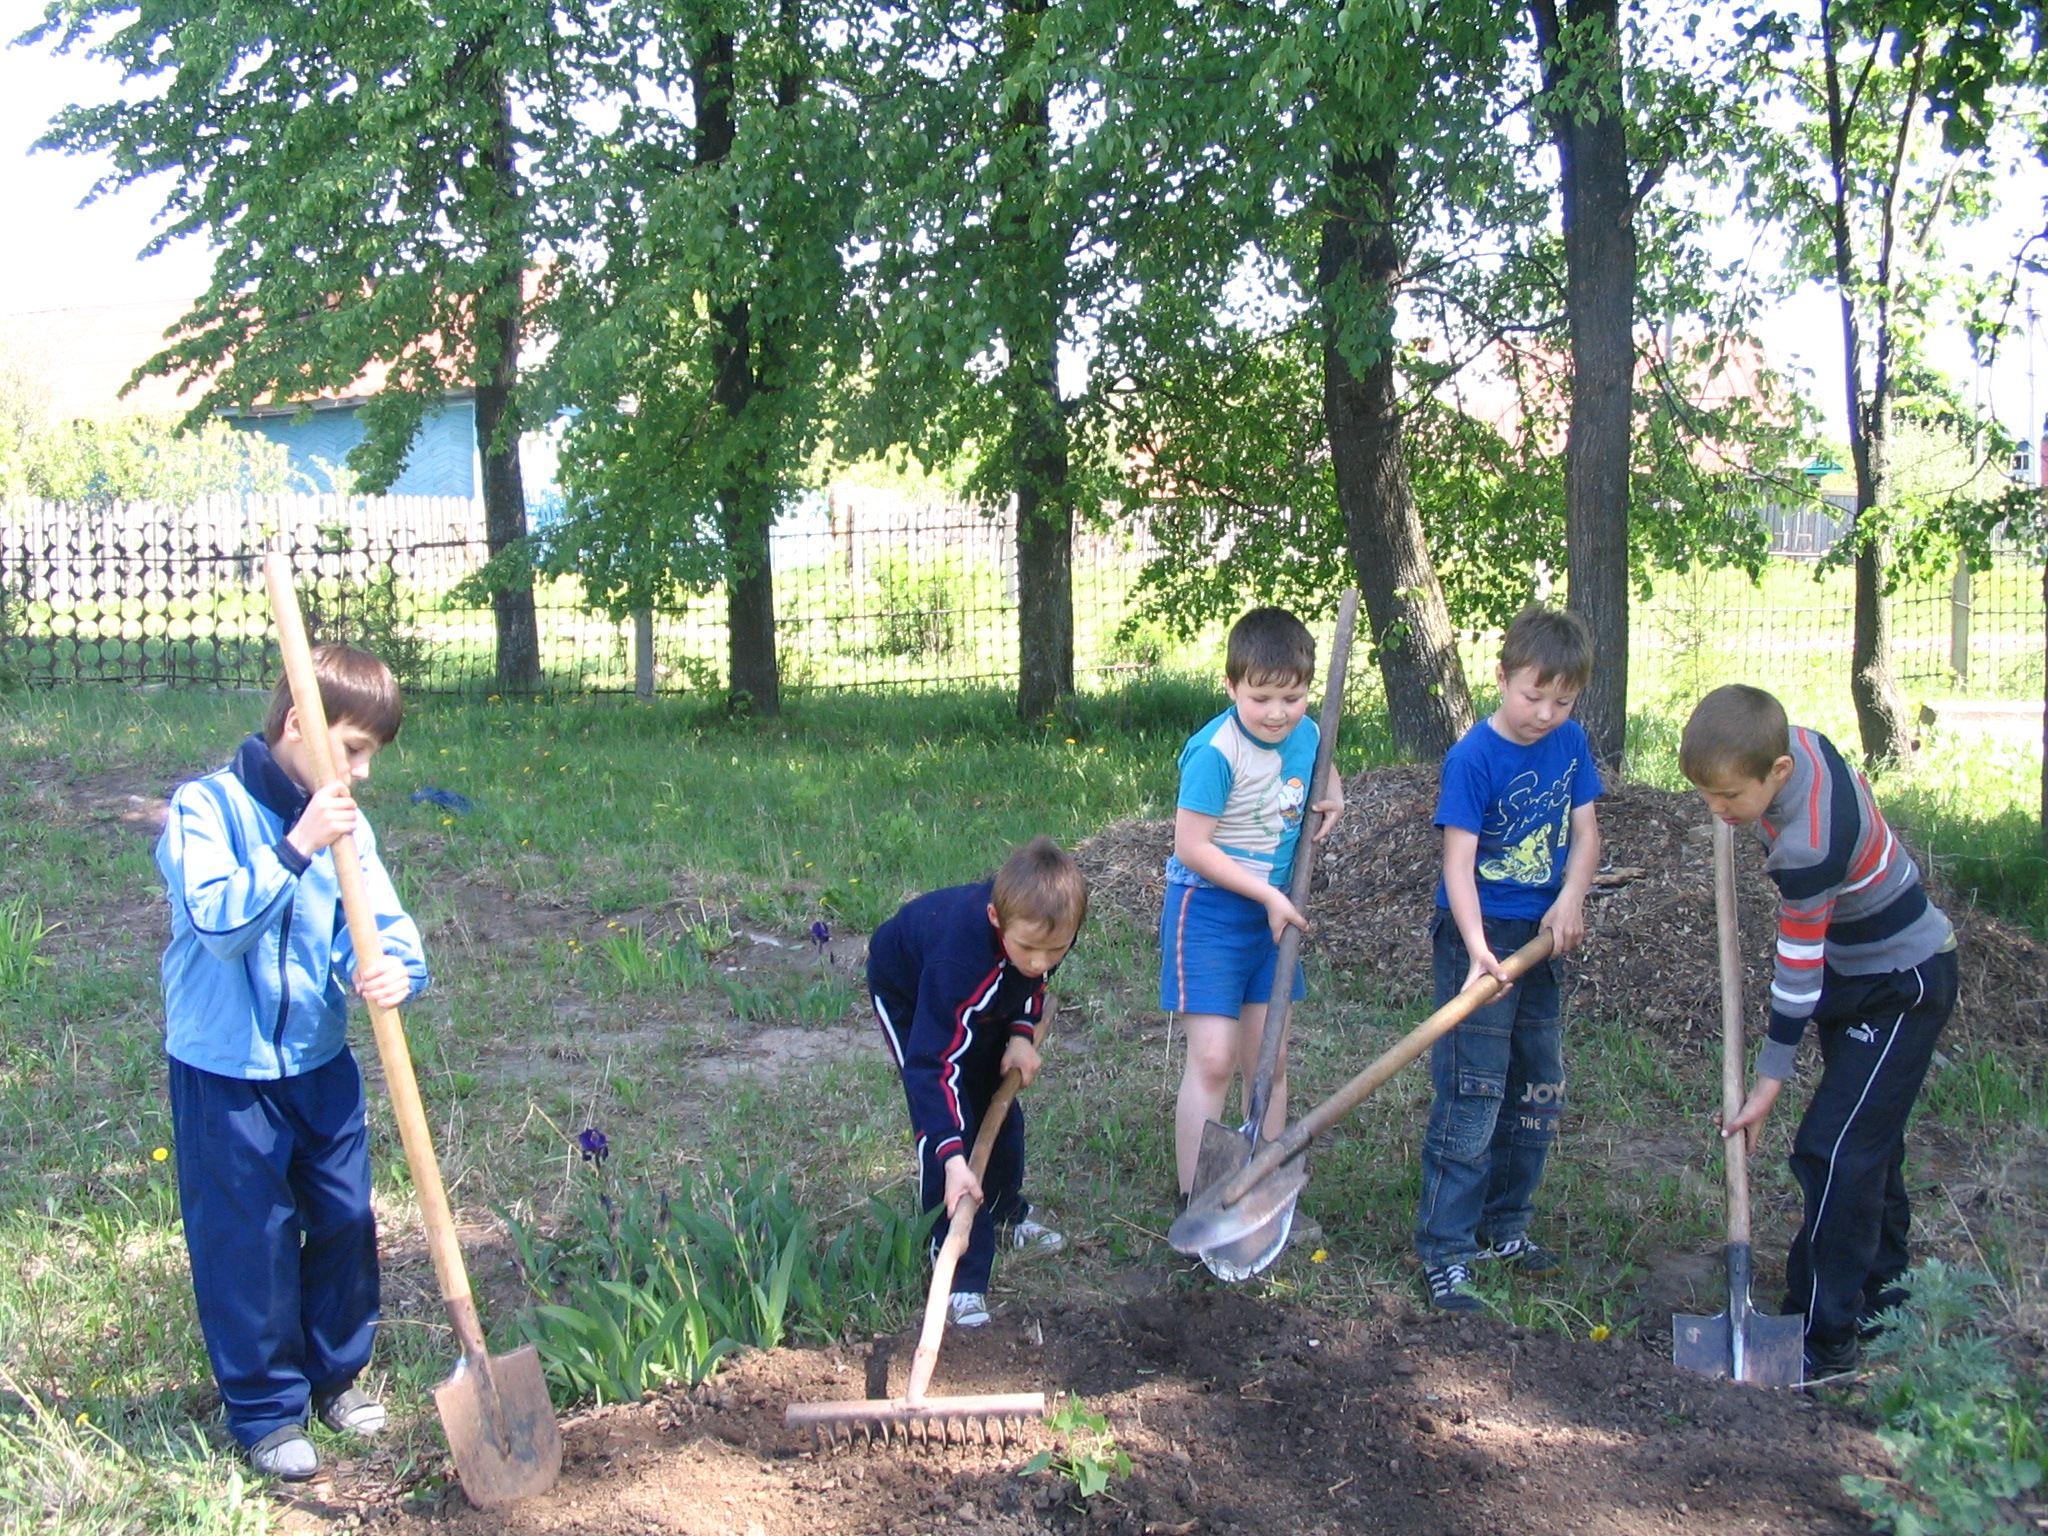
column 1877, row 1036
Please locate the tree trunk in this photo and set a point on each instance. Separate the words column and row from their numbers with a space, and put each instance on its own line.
column 643, row 653
column 1427, row 702
column 1600, row 279
column 1036, row 261
column 746, row 512
column 753, row 677
column 500, row 314
column 1880, row 708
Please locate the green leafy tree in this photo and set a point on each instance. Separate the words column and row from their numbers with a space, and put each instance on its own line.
column 367, row 176
column 699, row 348
column 992, row 245
column 1866, row 188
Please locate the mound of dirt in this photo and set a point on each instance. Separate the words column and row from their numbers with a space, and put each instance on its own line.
column 1649, row 950
column 1239, row 1417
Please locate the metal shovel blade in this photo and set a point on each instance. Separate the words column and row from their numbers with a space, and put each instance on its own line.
column 1741, row 1344
column 1209, row 1226
column 1224, row 1152
column 501, row 1428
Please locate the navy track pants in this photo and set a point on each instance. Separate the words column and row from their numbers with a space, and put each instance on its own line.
column 274, row 1181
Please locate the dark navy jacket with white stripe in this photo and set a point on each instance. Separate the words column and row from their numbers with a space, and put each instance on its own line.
column 948, row 1000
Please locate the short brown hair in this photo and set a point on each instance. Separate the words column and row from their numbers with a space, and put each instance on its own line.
column 1041, row 883
column 1737, row 727
column 354, row 687
column 1270, row 645
column 1554, row 641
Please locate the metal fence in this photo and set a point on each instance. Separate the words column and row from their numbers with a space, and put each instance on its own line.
column 873, row 591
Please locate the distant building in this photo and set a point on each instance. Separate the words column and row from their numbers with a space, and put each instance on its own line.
column 84, row 356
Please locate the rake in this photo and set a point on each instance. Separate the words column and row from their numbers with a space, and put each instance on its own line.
column 991, row 1418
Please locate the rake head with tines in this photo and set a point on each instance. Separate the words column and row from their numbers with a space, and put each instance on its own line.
column 1001, row 1418
column 915, row 1417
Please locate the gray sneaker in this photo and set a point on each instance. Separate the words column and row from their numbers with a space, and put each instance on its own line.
column 285, row 1453
column 352, row 1412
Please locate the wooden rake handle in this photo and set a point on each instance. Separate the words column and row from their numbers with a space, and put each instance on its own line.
column 960, row 1228
column 399, row 1083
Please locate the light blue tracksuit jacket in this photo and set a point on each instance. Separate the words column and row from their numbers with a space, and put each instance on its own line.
column 260, row 951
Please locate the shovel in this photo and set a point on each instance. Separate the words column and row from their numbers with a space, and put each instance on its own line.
column 494, row 1408
column 1229, row 1212
column 1741, row 1343
column 1224, row 1151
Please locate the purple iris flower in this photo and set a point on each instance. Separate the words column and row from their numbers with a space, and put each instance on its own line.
column 595, row 1148
column 820, row 935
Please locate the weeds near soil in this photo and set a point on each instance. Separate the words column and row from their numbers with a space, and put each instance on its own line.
column 1087, row 1455
column 1966, row 1438
column 650, row 965
column 642, row 1289
column 22, row 932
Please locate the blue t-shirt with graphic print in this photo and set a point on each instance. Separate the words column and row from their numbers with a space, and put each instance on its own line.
column 1520, row 801
column 1254, row 789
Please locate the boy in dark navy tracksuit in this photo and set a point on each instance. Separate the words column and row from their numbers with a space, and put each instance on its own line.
column 957, row 978
column 267, row 1105
column 1865, row 958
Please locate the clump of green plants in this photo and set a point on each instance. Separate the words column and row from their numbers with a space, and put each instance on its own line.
column 641, row 1289
column 1087, row 1454
column 644, row 964
column 22, row 931
column 1965, row 1437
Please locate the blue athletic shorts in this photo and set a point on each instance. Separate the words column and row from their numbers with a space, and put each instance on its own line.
column 1216, row 952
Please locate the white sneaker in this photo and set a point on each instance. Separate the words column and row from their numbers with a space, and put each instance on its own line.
column 1036, row 1236
column 969, row 1309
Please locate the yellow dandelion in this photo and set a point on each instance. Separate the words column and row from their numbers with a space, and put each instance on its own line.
column 159, row 1154
column 1320, row 1256
column 1600, row 1334
column 82, row 1420
column 447, row 821
column 1070, row 741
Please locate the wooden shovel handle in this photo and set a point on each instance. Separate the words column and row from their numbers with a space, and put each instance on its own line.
column 1728, row 934
column 399, row 1083
column 1483, row 990
column 960, row 1227
column 1282, row 1004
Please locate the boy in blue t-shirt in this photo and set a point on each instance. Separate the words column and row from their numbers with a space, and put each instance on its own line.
column 1244, row 779
column 1521, row 843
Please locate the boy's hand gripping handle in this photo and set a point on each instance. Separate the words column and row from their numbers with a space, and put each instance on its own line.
column 399, row 1081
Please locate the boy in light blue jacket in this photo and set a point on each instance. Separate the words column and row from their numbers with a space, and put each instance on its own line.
column 267, row 1104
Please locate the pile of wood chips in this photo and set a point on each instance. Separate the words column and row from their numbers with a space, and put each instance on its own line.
column 1649, row 951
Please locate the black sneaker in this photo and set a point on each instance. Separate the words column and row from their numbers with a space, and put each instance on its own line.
column 1525, row 1257
column 1450, row 1288
column 1824, row 1361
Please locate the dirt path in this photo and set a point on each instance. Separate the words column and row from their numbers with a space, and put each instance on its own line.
column 1240, row 1418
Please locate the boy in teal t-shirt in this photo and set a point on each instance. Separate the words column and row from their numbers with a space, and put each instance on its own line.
column 1244, row 781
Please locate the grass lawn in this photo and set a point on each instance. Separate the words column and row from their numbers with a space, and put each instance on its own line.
column 604, row 829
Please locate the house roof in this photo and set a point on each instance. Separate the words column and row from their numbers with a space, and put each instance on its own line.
column 85, row 354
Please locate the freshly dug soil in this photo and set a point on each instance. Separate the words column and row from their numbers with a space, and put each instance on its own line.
column 1239, row 1417
column 1649, row 949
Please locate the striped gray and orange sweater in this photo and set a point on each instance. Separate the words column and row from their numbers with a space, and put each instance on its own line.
column 1849, row 894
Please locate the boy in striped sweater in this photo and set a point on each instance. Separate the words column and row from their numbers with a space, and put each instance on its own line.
column 1865, row 957
column 957, row 978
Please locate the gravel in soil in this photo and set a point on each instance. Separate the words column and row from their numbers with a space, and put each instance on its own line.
column 1238, row 1416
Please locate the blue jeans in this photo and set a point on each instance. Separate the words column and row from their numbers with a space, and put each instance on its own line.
column 1499, row 1092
